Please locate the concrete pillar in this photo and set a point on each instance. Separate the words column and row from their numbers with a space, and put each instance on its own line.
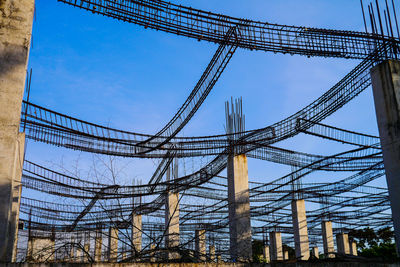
column 16, row 200
column 299, row 220
column 327, row 238
column 41, row 249
column 239, row 209
column 219, row 258
column 136, row 233
column 200, row 244
column 98, row 245
column 386, row 90
column 342, row 242
column 112, row 251
column 211, row 252
column 315, row 252
column 172, row 223
column 152, row 252
column 172, row 217
column 276, row 248
column 286, row 254
column 16, row 20
column 86, row 247
column 353, row 248
column 266, row 254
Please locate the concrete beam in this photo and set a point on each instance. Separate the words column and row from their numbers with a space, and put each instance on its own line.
column 276, row 249
column 327, row 238
column 386, row 91
column 16, row 20
column 239, row 209
column 299, row 219
column 200, row 244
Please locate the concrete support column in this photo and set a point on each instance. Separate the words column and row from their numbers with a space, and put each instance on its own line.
column 112, row 251
column 266, row 254
column 172, row 224
column 276, row 248
column 315, row 252
column 353, row 248
column 211, row 252
column 16, row 20
column 152, row 252
column 98, row 245
column 200, row 244
column 386, row 90
column 239, row 209
column 136, row 233
column 86, row 246
column 286, row 254
column 41, row 249
column 327, row 238
column 299, row 219
column 342, row 242
column 16, row 200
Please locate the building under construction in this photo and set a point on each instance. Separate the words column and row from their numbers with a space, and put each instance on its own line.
column 215, row 213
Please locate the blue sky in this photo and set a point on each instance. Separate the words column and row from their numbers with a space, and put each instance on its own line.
column 121, row 75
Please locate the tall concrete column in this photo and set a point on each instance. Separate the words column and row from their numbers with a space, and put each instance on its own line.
column 172, row 223
column 172, row 217
column 112, row 250
column 98, row 243
column 276, row 249
column 16, row 20
column 299, row 219
column 386, row 90
column 286, row 254
column 41, row 249
column 353, row 248
column 211, row 252
column 152, row 253
column 342, row 242
column 86, row 247
column 327, row 238
column 315, row 252
column 239, row 209
column 16, row 200
column 266, row 253
column 136, row 233
column 200, row 244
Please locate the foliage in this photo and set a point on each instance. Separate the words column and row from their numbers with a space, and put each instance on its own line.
column 375, row 244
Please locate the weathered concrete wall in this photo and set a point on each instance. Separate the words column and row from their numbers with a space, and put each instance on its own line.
column 239, row 208
column 386, row 90
column 15, row 35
